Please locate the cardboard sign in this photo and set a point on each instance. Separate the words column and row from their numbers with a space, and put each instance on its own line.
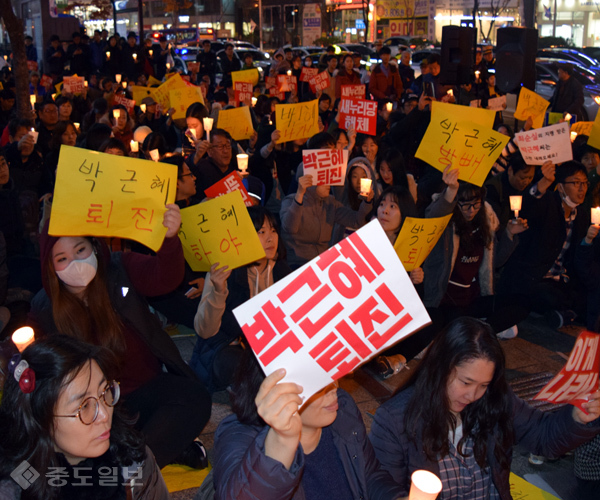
column 228, row 184
column 219, row 230
column 153, row 81
column 579, row 377
column 297, row 121
column 237, row 121
column 327, row 166
column 98, row 194
column 162, row 94
column 582, row 128
column 247, row 75
column 358, row 115
column 334, row 313
column 73, row 84
column 531, row 104
column 548, row 143
column 417, row 239
column 181, row 99
column 594, row 139
column 354, row 91
column 308, row 74
column 140, row 93
column 243, row 92
column 128, row 103
column 463, row 137
column 46, row 81
column 497, row 103
column 321, row 81
column 522, row 490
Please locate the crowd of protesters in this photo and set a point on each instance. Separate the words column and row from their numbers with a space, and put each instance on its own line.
column 487, row 265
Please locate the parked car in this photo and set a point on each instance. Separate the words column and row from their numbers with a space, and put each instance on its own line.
column 572, row 56
column 261, row 59
column 397, row 44
column 308, row 50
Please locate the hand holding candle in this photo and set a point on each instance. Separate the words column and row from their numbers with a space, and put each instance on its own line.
column 515, row 204
column 118, row 78
column 424, row 486
column 208, row 123
column 135, row 146
column 596, row 216
column 143, row 108
column 389, row 107
column 365, row 187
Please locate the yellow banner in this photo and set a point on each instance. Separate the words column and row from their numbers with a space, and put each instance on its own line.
column 297, row 121
column 182, row 98
column 463, row 137
column 522, row 490
column 554, row 118
column 247, row 75
column 582, row 128
column 417, row 239
column 153, row 81
column 594, row 139
column 162, row 93
column 219, row 230
column 138, row 93
column 237, row 121
column 531, row 104
column 97, row 194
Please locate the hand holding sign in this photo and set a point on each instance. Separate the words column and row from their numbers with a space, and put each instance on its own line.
column 172, row 220
column 590, row 410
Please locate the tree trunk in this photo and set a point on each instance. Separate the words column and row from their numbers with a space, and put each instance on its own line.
column 14, row 27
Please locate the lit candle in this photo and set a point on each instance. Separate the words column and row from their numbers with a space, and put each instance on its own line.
column 32, row 100
column 168, row 66
column 289, row 72
column 254, row 99
column 134, row 57
column 568, row 117
column 515, row 204
column 6, row 58
column 34, row 134
column 107, row 55
column 143, row 108
column 242, row 161
column 270, row 121
column 53, row 96
column 424, row 485
column 365, row 187
column 596, row 215
column 150, row 52
column 389, row 106
column 124, row 84
column 23, row 337
column 477, row 73
column 120, row 113
column 193, row 132
column 135, row 146
column 573, row 136
column 450, row 93
column 118, row 78
column 155, row 155
column 208, row 123
column 85, row 83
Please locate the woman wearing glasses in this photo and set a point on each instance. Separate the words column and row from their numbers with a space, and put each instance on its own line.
column 459, row 272
column 58, row 417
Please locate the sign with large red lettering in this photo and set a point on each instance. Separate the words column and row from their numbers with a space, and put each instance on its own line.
column 334, row 313
column 579, row 377
column 359, row 115
column 327, row 166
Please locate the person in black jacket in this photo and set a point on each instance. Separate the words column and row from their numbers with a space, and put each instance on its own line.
column 78, row 55
column 208, row 61
column 229, row 63
column 55, row 58
column 568, row 94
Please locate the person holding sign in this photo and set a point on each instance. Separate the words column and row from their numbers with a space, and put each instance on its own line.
column 98, row 296
column 273, row 449
column 74, row 426
column 218, row 350
column 459, row 272
column 346, row 75
column 459, row 418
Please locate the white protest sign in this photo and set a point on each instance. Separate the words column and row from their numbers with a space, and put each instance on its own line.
column 497, row 103
column 334, row 313
column 579, row 377
column 327, row 166
column 548, row 143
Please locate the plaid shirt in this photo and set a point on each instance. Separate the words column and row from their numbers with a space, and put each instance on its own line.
column 587, row 460
column 462, row 478
column 558, row 272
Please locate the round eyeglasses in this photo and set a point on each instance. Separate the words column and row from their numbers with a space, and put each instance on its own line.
column 88, row 409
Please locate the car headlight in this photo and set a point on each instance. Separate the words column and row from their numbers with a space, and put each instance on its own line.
column 597, row 99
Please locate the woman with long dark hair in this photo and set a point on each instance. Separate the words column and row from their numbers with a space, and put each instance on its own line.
column 59, row 413
column 459, row 419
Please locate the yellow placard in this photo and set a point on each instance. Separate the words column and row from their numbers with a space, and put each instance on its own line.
column 139, row 93
column 594, row 139
column 554, row 118
column 219, row 230
column 162, row 93
column 247, row 75
column 531, row 104
column 522, row 490
column 463, row 137
column 582, row 128
column 153, row 81
column 417, row 239
column 237, row 121
column 182, row 98
column 297, row 121
column 98, row 194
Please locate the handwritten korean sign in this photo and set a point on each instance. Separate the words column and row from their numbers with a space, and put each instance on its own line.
column 582, row 128
column 417, row 239
column 73, row 84
column 594, row 139
column 243, row 92
column 548, row 143
column 531, row 104
column 579, row 377
column 232, row 182
column 297, row 121
column 353, row 91
column 247, row 75
column 334, row 313
column 359, row 115
column 327, row 166
column 321, row 81
column 128, row 103
column 463, row 137
column 497, row 103
column 182, row 98
column 308, row 74
column 138, row 92
column 522, row 490
column 98, row 194
column 237, row 122
column 219, row 230
column 163, row 93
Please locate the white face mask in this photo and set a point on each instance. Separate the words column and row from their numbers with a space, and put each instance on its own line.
column 79, row 272
column 568, row 201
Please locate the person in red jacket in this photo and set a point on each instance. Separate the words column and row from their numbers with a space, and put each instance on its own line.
column 346, row 75
column 385, row 83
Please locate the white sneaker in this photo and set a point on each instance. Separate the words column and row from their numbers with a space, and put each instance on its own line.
column 509, row 333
